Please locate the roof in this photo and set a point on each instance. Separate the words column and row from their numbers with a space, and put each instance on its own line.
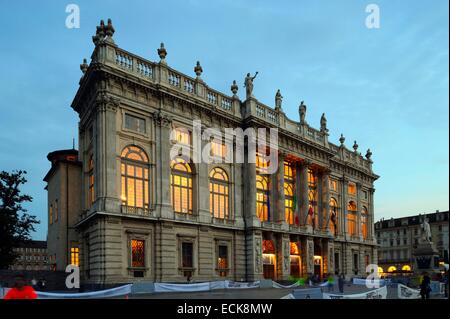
column 33, row 244
column 412, row 220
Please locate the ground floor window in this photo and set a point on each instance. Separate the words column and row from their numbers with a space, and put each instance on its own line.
column 137, row 253
column 336, row 262
column 222, row 260
column 355, row 263
column 186, row 255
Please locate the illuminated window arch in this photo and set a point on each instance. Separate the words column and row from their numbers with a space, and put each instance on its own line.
column 181, row 186
column 351, row 218
column 313, row 218
column 91, row 193
column 380, row 270
column 218, row 193
column 262, row 189
column 365, row 222
column 334, row 216
column 392, row 269
column 134, row 177
column 289, row 191
column 406, row 268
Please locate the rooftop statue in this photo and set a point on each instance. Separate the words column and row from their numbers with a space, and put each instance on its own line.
column 278, row 100
column 302, row 112
column 323, row 124
column 248, row 83
column 426, row 231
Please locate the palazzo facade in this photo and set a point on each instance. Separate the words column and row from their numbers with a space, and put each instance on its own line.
column 127, row 210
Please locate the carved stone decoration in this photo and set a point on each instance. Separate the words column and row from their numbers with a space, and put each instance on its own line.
column 323, row 124
column 84, row 66
column 234, row 88
column 104, row 32
column 310, row 256
column 342, row 140
column 105, row 102
column 162, row 119
column 369, row 155
column 355, row 147
column 286, row 256
column 248, row 83
column 278, row 100
column 162, row 52
column 198, row 70
column 302, row 112
column 258, row 255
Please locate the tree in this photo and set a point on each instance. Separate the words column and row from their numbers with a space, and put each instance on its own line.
column 15, row 223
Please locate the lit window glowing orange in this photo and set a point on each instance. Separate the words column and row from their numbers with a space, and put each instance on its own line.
column 134, row 178
column 289, row 192
column 181, row 186
column 294, row 249
column 364, row 222
column 218, row 193
column 75, row 256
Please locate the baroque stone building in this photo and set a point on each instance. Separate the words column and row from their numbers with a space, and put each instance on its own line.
column 144, row 215
column 31, row 255
column 399, row 237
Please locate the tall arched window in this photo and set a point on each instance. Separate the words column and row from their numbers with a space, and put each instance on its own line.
column 218, row 193
column 134, row 178
column 289, row 191
column 351, row 218
column 262, row 189
column 91, row 194
column 334, row 216
column 313, row 217
column 364, row 222
column 181, row 186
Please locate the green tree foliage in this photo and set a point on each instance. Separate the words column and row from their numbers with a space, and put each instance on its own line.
column 15, row 223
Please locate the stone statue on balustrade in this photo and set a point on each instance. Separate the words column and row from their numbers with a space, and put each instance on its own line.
column 248, row 83
column 426, row 231
column 323, row 124
column 278, row 101
column 302, row 113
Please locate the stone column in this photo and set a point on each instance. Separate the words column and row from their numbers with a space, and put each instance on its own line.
column 250, row 191
column 307, row 252
column 359, row 208
column 254, row 256
column 280, row 214
column 204, row 214
column 303, row 193
column 371, row 215
column 163, row 200
column 283, row 257
column 330, row 257
column 325, row 196
column 106, row 155
column 343, row 218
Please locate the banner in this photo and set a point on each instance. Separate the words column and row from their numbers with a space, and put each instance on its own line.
column 290, row 296
column 277, row 285
column 3, row 292
column 108, row 293
column 362, row 281
column 205, row 286
column 404, row 292
column 380, row 293
column 242, row 285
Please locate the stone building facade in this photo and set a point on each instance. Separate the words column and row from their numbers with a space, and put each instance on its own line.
column 399, row 237
column 146, row 215
column 31, row 255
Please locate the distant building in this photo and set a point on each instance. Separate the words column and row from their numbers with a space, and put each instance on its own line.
column 32, row 256
column 398, row 237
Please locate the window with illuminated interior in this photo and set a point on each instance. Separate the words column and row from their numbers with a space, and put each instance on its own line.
column 333, row 216
column 218, row 148
column 222, row 260
column 218, row 193
column 75, row 256
column 351, row 218
column 313, row 218
column 137, row 253
column 134, row 178
column 262, row 189
column 365, row 222
column 181, row 135
column 181, row 186
column 289, row 192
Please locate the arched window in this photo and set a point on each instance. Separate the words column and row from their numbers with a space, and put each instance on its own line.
column 351, row 218
column 364, row 222
column 181, row 186
column 392, row 269
column 313, row 217
column 289, row 191
column 262, row 189
column 218, row 193
column 91, row 195
column 134, row 177
column 333, row 216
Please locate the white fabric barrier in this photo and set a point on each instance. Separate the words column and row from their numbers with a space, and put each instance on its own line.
column 113, row 292
column 362, row 281
column 290, row 296
column 205, row 286
column 3, row 292
column 277, row 285
column 380, row 293
column 404, row 292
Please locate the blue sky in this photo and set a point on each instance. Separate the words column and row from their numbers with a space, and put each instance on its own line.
column 387, row 88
